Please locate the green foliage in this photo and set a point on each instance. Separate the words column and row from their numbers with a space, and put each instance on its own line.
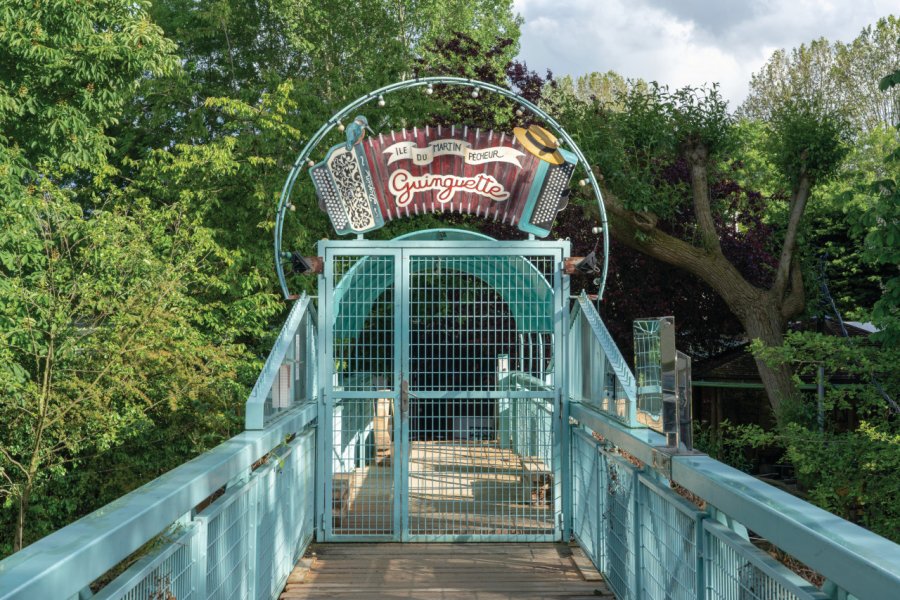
column 807, row 140
column 842, row 77
column 635, row 139
column 136, row 286
column 844, row 213
column 729, row 443
column 67, row 68
column 853, row 474
column 102, row 326
column 851, row 466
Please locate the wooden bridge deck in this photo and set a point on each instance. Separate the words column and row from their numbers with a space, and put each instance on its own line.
column 445, row 572
column 455, row 488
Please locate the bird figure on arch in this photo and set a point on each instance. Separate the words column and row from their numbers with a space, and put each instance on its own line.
column 356, row 131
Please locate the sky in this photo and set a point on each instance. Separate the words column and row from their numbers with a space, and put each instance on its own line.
column 683, row 42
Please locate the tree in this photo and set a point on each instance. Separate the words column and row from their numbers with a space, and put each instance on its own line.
column 684, row 221
column 837, row 76
column 99, row 328
column 66, row 71
column 606, row 88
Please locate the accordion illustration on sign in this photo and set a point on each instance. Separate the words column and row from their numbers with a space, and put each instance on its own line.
column 520, row 179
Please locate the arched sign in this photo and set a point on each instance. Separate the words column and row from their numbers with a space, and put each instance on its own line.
column 467, row 174
column 519, row 178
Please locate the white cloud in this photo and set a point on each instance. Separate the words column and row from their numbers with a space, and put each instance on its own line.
column 682, row 42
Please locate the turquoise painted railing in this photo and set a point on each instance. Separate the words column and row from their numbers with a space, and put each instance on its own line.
column 241, row 545
column 289, row 376
column 652, row 543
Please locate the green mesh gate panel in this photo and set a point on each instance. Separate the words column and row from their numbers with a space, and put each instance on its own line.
column 441, row 390
column 468, row 474
column 363, row 357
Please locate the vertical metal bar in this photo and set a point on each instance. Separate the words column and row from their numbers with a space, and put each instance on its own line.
column 324, row 461
column 562, row 444
column 402, row 280
column 699, row 555
column 198, row 559
column 253, row 545
column 637, row 504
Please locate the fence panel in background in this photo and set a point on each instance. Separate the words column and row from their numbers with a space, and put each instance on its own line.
column 618, row 483
column 280, row 494
column 227, row 522
column 587, row 501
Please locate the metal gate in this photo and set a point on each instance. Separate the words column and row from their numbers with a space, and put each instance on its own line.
column 441, row 394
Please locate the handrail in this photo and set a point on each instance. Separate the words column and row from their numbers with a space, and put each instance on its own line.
column 74, row 556
column 859, row 561
column 255, row 406
column 604, row 338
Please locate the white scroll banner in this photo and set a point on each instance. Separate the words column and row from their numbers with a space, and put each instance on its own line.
column 450, row 147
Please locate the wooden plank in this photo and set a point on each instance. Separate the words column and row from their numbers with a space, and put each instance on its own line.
column 446, row 571
column 585, row 567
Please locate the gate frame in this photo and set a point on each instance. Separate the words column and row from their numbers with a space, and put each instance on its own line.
column 431, row 243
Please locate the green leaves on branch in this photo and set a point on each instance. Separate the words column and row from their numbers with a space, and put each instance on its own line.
column 807, row 140
column 67, row 68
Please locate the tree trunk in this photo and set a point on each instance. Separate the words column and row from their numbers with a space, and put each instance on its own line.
column 764, row 322
column 24, row 499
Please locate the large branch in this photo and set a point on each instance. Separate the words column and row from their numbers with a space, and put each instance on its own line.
column 798, row 205
column 697, row 156
column 795, row 301
column 638, row 231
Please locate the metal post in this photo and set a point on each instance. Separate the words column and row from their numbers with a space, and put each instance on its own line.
column 820, row 395
column 636, row 524
column 253, row 545
column 198, row 558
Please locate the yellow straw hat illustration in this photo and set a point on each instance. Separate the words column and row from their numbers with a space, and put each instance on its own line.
column 540, row 142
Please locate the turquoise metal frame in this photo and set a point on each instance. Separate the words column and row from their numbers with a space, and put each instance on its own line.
column 709, row 543
column 232, row 527
column 301, row 162
column 275, row 503
column 441, row 243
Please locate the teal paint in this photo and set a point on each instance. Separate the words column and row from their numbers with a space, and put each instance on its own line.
column 428, row 268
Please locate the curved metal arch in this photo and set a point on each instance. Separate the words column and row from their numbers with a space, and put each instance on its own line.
column 420, row 82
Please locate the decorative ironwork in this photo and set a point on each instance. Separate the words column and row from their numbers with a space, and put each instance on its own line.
column 535, row 216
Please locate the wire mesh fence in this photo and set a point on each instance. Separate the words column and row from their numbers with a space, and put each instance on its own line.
column 474, row 339
column 242, row 546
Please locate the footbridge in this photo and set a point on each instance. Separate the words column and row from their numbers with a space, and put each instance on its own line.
column 444, row 418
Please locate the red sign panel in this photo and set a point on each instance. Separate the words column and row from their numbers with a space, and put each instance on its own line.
column 499, row 176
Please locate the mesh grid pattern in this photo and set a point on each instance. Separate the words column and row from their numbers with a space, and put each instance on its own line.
column 478, row 462
column 362, row 497
column 363, row 330
column 295, row 381
column 228, row 547
column 668, row 546
column 460, row 324
column 592, row 380
column 738, row 570
column 618, row 516
column 465, row 481
column 166, row 574
column 586, row 496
